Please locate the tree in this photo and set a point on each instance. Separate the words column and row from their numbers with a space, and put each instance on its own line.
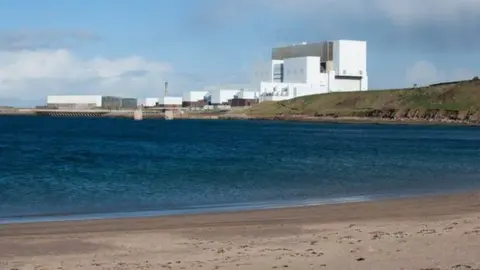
column 475, row 78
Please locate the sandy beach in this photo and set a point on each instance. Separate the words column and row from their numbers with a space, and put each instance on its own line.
column 435, row 232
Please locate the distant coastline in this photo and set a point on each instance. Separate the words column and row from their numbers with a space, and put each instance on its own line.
column 435, row 119
column 455, row 103
column 357, row 120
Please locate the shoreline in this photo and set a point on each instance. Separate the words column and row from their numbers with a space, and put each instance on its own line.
column 431, row 232
column 355, row 120
column 421, row 205
column 193, row 210
column 220, row 209
column 290, row 118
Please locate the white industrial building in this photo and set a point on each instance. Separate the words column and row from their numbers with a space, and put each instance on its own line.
column 75, row 102
column 221, row 96
column 168, row 101
column 151, row 102
column 194, row 96
column 90, row 102
column 246, row 94
column 315, row 68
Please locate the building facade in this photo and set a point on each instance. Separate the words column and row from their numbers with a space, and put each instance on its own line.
column 170, row 102
column 111, row 103
column 194, row 99
column 316, row 68
column 84, row 102
column 221, row 96
column 74, row 102
column 129, row 103
column 151, row 102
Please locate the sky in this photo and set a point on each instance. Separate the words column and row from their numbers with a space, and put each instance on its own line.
column 131, row 47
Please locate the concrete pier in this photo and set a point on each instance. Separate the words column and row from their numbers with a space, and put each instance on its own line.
column 60, row 113
column 168, row 115
column 138, row 114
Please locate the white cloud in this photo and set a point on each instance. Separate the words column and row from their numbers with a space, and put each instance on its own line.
column 424, row 73
column 37, row 73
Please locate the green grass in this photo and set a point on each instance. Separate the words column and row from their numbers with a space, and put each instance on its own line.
column 457, row 96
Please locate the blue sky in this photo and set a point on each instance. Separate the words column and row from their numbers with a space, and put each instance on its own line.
column 131, row 47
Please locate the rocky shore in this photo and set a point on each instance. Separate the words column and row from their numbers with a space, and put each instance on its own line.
column 392, row 116
column 384, row 116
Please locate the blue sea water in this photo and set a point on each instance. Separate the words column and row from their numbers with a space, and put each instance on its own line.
column 96, row 167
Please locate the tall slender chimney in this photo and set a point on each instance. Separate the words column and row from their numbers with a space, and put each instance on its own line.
column 166, row 89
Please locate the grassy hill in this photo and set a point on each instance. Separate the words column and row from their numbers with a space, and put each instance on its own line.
column 454, row 100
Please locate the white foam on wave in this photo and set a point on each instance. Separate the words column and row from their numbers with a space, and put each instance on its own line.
column 201, row 209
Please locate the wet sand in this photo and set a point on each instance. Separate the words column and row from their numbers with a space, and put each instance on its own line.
column 435, row 232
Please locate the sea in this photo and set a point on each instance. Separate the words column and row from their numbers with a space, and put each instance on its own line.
column 88, row 168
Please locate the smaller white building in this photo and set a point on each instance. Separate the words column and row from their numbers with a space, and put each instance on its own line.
column 83, row 102
column 170, row 101
column 75, row 101
column 247, row 94
column 151, row 102
column 222, row 96
column 194, row 96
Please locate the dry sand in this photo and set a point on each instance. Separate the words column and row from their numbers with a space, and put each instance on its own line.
column 438, row 232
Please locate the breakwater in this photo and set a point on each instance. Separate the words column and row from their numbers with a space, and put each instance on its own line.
column 145, row 113
column 374, row 116
column 82, row 113
column 69, row 113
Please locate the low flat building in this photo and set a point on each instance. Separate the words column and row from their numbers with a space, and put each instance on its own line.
column 170, row 102
column 222, row 96
column 194, row 99
column 85, row 102
column 151, row 102
column 74, row 102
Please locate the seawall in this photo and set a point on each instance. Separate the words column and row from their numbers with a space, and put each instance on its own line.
column 392, row 116
column 385, row 116
column 147, row 114
column 81, row 113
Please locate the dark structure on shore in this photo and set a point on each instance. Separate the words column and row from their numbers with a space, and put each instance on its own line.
column 242, row 102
